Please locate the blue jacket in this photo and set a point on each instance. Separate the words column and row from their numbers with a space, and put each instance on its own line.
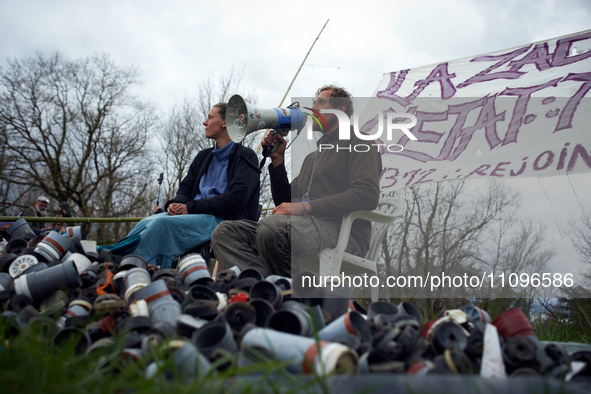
column 241, row 201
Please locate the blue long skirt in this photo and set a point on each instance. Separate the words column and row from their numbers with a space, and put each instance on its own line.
column 161, row 238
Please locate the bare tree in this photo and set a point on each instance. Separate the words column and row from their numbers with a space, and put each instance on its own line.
column 573, row 311
column 443, row 227
column 451, row 229
column 581, row 236
column 75, row 133
column 219, row 90
column 182, row 134
column 9, row 192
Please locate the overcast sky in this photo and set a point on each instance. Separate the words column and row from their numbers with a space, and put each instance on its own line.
column 176, row 45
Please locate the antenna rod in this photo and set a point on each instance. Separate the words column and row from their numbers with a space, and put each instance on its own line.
column 293, row 80
column 301, row 65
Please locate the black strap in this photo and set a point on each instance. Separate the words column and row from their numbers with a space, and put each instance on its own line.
column 250, row 164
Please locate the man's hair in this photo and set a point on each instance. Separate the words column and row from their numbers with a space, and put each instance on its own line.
column 338, row 97
column 221, row 109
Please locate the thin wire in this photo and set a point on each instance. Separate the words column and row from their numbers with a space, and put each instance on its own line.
column 344, row 68
column 553, row 212
column 316, row 162
column 575, row 192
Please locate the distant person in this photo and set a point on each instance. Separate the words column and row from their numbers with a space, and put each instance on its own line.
column 39, row 209
column 64, row 209
column 60, row 227
column 222, row 184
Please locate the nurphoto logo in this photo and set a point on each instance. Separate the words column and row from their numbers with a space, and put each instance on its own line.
column 393, row 121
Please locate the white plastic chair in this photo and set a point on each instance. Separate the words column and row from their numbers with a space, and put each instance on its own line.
column 331, row 259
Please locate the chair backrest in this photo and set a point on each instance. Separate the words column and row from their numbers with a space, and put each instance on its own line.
column 391, row 207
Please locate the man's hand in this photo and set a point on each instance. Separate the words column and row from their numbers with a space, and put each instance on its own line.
column 295, row 209
column 177, row 209
column 278, row 156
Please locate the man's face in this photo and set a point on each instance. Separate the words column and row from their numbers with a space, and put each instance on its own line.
column 323, row 102
column 42, row 206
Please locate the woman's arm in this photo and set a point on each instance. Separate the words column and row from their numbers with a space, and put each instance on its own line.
column 190, row 183
column 243, row 180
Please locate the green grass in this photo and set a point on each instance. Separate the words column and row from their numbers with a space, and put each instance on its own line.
column 30, row 363
column 573, row 329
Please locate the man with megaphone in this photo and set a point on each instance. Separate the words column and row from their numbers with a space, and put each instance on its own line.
column 309, row 210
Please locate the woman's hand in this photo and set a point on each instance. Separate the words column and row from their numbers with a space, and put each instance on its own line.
column 177, row 209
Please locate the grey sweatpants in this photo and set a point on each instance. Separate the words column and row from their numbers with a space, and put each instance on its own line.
column 277, row 244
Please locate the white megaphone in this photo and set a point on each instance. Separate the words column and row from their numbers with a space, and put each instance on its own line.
column 243, row 118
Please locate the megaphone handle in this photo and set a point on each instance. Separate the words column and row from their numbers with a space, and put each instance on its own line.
column 267, row 150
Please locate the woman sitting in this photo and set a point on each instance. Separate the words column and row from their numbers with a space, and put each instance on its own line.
column 222, row 184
